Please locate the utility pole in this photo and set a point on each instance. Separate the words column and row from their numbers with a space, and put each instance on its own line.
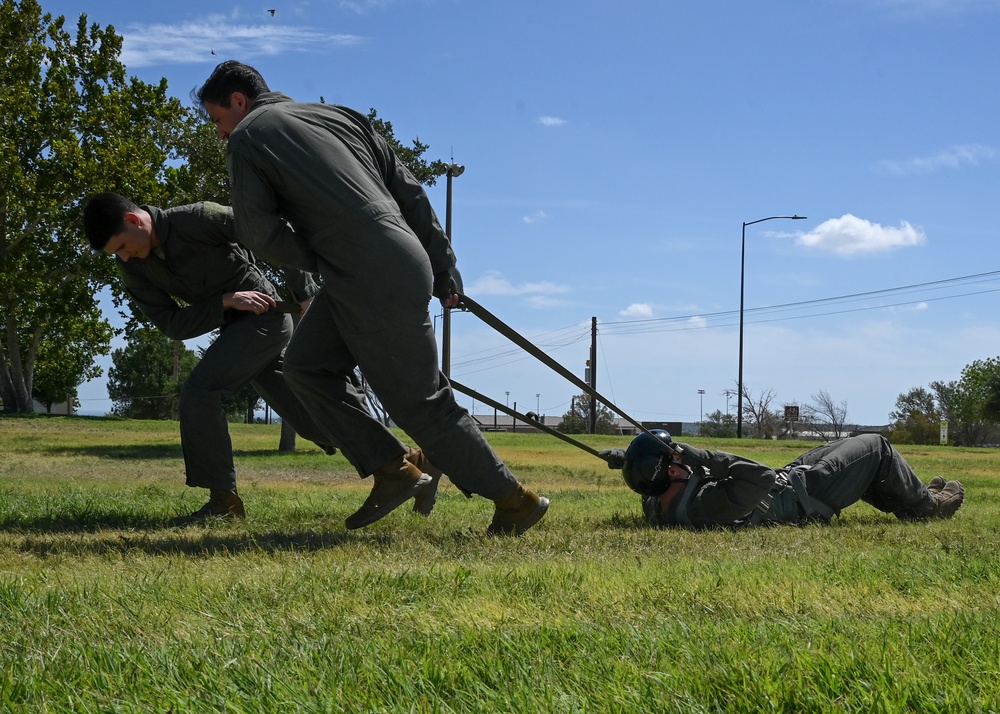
column 593, row 374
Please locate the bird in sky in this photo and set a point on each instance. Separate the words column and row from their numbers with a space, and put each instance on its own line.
column 272, row 12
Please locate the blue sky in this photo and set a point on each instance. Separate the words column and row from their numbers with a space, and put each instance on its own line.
column 613, row 152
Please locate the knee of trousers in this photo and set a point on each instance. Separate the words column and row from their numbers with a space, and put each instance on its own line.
column 194, row 399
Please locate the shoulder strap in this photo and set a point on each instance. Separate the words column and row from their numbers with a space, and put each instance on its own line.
column 681, row 509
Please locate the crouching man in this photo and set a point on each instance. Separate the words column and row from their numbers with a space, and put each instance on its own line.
column 693, row 488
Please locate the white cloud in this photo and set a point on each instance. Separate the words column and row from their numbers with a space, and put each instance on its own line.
column 637, row 309
column 850, row 235
column 194, row 41
column 544, row 301
column 951, row 158
column 551, row 121
column 535, row 217
column 362, row 7
column 493, row 283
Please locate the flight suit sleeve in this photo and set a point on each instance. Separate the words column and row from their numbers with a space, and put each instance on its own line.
column 176, row 321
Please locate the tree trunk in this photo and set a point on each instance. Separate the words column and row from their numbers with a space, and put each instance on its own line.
column 287, row 441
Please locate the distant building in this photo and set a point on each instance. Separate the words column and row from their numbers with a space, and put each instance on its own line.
column 61, row 409
column 503, row 422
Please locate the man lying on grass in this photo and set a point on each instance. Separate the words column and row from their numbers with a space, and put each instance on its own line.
column 689, row 487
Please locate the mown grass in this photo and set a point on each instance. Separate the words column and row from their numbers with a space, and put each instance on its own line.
column 107, row 607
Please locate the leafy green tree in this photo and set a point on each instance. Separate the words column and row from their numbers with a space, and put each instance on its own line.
column 412, row 156
column 969, row 404
column 577, row 419
column 145, row 377
column 719, row 425
column 916, row 418
column 64, row 358
column 71, row 123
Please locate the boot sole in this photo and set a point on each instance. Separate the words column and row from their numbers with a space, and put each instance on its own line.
column 425, row 504
column 388, row 507
column 543, row 507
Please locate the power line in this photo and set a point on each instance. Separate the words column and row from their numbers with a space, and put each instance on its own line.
column 560, row 338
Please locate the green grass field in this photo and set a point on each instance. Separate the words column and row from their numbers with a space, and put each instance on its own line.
column 107, row 607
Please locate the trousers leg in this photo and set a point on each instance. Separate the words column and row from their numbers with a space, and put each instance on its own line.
column 864, row 468
column 374, row 315
column 271, row 384
column 239, row 353
column 319, row 368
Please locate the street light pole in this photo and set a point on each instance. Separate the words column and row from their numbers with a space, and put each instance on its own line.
column 701, row 408
column 743, row 254
column 453, row 170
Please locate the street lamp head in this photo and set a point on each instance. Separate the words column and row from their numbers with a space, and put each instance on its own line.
column 455, row 169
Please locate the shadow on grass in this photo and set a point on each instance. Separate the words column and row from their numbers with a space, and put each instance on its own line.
column 126, row 452
column 128, row 535
column 626, row 522
column 199, row 544
column 165, row 451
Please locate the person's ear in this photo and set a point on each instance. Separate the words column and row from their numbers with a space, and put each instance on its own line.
column 240, row 100
column 133, row 219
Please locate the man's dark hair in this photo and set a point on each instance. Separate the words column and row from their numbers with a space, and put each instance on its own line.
column 228, row 77
column 104, row 217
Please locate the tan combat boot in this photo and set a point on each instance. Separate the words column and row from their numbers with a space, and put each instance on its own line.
column 948, row 500
column 517, row 512
column 426, row 497
column 222, row 503
column 395, row 483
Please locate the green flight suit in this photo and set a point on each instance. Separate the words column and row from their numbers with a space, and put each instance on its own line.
column 315, row 188
column 201, row 261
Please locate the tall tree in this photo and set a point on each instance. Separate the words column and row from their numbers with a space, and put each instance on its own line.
column 71, row 123
column 969, row 404
column 760, row 419
column 718, row 425
column 64, row 358
column 916, row 418
column 577, row 419
column 826, row 416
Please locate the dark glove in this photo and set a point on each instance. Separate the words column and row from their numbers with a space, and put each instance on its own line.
column 614, row 457
column 447, row 283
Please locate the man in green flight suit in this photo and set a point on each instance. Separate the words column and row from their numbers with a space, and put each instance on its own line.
column 190, row 253
column 316, row 188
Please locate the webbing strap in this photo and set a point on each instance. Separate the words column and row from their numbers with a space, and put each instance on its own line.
column 680, row 510
column 809, row 505
column 523, row 417
column 490, row 319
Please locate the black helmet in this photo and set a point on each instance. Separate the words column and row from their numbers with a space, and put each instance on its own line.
column 646, row 462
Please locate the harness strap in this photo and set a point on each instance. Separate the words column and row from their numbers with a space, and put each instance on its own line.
column 810, row 506
column 681, row 508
